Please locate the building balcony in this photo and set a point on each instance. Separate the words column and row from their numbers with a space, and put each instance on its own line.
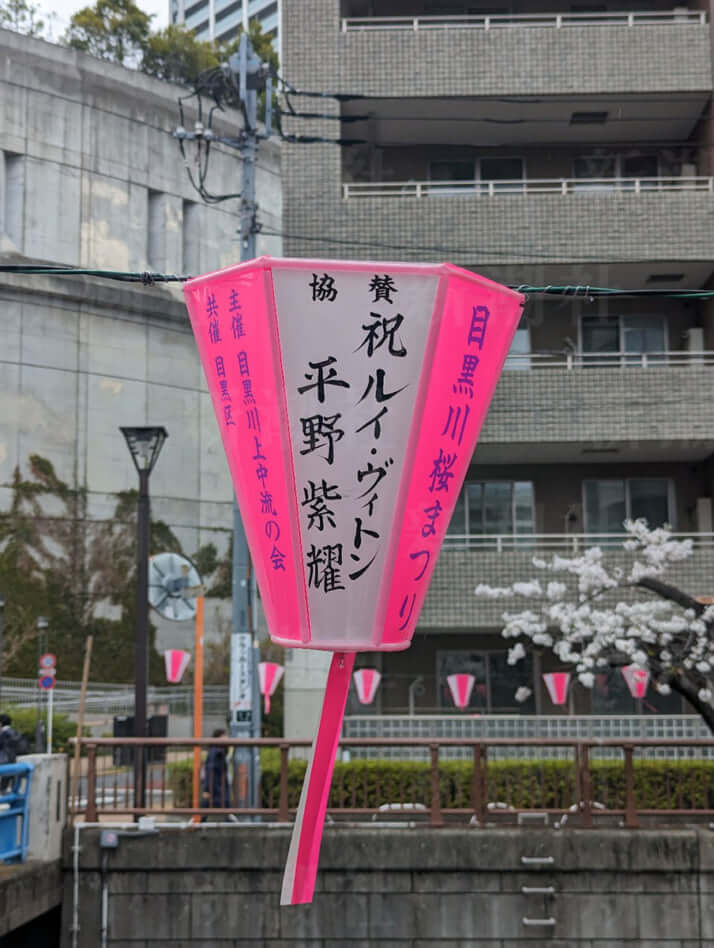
column 614, row 407
column 500, row 560
column 482, row 224
column 528, row 54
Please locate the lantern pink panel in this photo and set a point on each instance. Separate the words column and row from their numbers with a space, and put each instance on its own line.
column 461, row 686
column 349, row 398
column 269, row 675
column 176, row 662
column 366, row 682
column 557, row 684
column 637, row 680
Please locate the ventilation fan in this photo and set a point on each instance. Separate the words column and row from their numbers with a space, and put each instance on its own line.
column 174, row 583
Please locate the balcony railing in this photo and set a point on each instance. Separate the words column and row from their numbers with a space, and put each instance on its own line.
column 608, row 360
column 563, row 186
column 555, row 21
column 571, row 542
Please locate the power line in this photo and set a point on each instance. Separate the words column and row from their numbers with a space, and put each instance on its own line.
column 572, row 290
column 146, row 277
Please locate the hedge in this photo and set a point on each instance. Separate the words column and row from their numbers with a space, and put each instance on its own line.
column 63, row 728
column 526, row 784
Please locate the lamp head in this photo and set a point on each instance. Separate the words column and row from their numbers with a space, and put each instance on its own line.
column 145, row 445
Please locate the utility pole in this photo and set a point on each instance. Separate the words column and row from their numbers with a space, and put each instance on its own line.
column 252, row 77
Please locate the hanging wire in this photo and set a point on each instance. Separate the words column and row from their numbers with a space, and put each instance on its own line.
column 573, row 290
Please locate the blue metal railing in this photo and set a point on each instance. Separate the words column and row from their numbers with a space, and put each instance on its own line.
column 15, row 781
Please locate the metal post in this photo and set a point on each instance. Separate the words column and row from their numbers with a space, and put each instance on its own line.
column 91, row 809
column 244, row 712
column 142, row 624
column 198, row 705
column 50, row 704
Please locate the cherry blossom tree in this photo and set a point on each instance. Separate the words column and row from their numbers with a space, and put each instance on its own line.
column 591, row 614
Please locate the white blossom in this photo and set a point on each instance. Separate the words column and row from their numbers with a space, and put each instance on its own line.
column 590, row 614
column 516, row 653
column 523, row 694
column 530, row 589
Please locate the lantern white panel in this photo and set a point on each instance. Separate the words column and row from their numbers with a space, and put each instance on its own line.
column 353, row 344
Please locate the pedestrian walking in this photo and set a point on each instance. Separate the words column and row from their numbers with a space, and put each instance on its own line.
column 216, row 788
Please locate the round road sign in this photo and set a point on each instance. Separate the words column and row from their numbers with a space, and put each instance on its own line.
column 48, row 660
column 47, row 682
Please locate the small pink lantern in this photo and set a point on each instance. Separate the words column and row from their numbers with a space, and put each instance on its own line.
column 637, row 680
column 176, row 662
column 269, row 675
column 461, row 686
column 366, row 682
column 557, row 685
column 349, row 396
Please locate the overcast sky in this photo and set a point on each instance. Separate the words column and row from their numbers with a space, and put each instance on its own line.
column 57, row 13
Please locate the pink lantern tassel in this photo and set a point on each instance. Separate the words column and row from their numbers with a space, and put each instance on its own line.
column 304, row 853
column 267, row 703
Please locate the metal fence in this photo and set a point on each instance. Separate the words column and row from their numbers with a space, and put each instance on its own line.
column 523, row 186
column 499, row 781
column 684, row 358
column 674, row 734
column 556, row 21
column 573, row 543
column 110, row 698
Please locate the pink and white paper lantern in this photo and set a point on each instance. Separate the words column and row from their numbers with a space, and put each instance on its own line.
column 461, row 686
column 176, row 662
column 637, row 680
column 349, row 397
column 269, row 675
column 366, row 682
column 557, row 685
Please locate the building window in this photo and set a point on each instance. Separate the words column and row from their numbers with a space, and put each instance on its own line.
column 156, row 231
column 12, row 182
column 191, row 234
column 518, row 354
column 502, row 173
column 485, row 508
column 607, row 171
column 608, row 503
column 610, row 695
column 495, row 681
column 606, row 338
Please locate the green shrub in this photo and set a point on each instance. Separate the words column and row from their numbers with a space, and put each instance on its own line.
column 523, row 784
column 24, row 720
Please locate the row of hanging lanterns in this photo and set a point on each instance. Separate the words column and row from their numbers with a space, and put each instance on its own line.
column 269, row 674
column 367, row 681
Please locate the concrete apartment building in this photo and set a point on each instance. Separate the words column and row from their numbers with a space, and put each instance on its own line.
column 542, row 142
column 220, row 19
column 90, row 176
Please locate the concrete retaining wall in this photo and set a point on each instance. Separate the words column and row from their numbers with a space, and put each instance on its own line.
column 412, row 887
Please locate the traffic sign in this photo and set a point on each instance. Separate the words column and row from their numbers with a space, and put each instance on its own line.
column 48, row 660
column 47, row 682
column 47, row 671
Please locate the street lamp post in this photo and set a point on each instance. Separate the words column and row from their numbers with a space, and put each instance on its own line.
column 144, row 445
